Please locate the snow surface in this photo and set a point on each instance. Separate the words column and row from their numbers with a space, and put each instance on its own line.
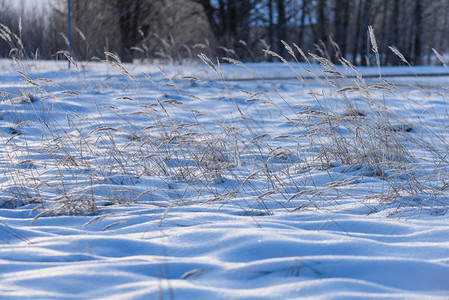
column 153, row 236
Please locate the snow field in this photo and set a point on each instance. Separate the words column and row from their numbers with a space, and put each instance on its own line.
column 174, row 184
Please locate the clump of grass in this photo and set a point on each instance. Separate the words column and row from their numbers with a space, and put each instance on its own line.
column 167, row 152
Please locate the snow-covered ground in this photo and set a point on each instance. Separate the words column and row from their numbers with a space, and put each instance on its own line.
column 171, row 183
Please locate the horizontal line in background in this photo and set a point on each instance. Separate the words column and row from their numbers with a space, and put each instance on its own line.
column 346, row 77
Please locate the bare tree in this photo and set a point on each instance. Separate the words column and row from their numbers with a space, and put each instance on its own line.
column 230, row 22
column 175, row 29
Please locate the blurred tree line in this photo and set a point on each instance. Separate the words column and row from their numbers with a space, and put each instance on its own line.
column 178, row 29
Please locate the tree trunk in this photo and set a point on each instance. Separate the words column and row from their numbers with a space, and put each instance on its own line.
column 384, row 33
column 341, row 18
column 210, row 13
column 302, row 22
column 356, row 43
column 321, row 22
column 129, row 12
column 281, row 27
column 364, row 49
column 393, row 34
column 338, row 27
column 416, row 57
column 346, row 16
column 270, row 23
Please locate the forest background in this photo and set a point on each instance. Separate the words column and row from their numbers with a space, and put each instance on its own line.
column 176, row 30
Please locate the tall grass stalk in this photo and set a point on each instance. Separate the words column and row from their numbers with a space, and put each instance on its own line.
column 167, row 153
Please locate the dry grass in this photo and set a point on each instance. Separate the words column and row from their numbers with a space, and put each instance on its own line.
column 195, row 156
